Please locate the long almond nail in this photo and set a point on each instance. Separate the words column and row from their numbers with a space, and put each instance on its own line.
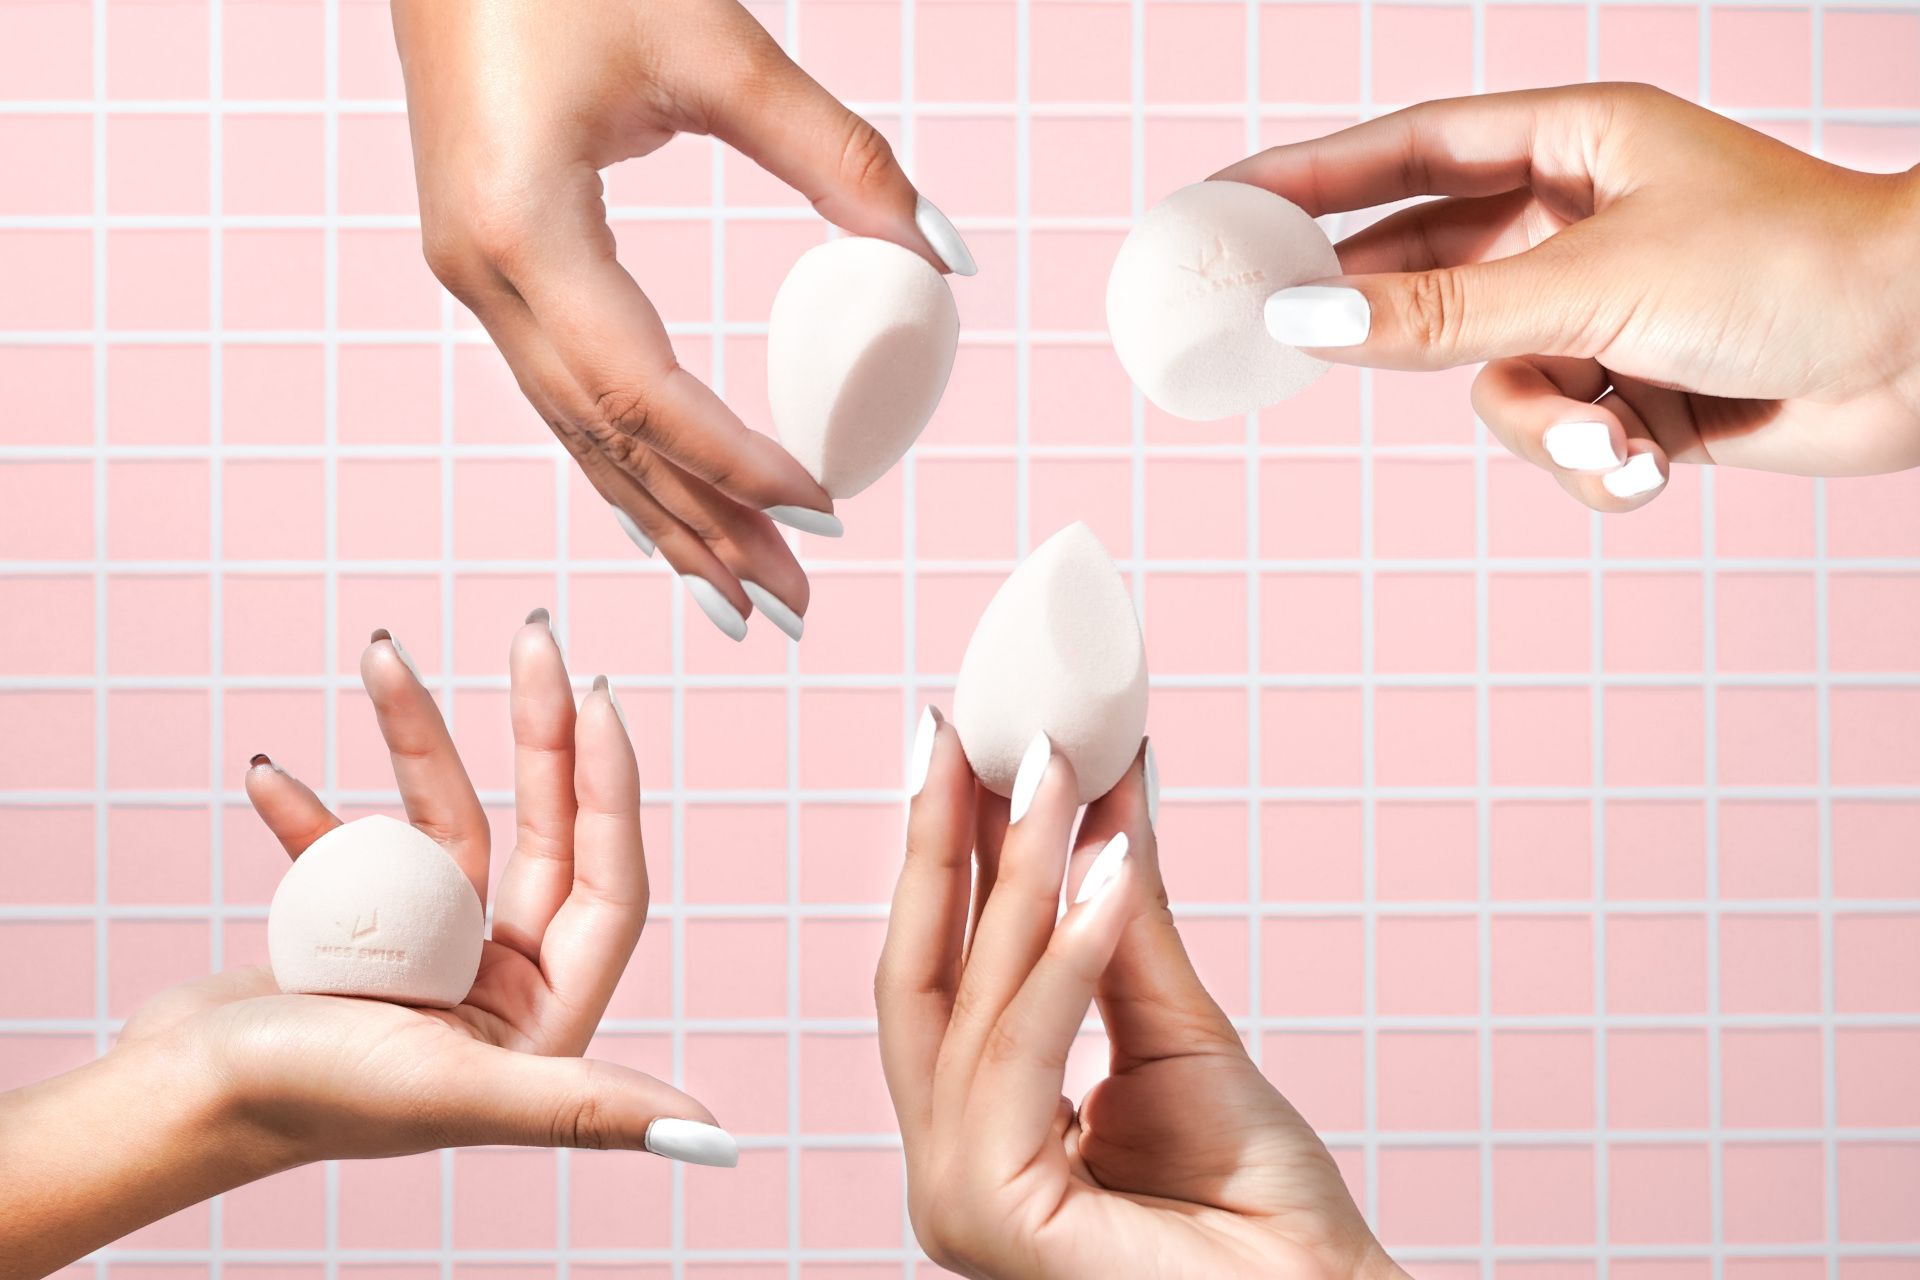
column 774, row 608
column 1033, row 767
column 822, row 524
column 944, row 237
column 691, row 1142
column 1581, row 446
column 634, row 531
column 1318, row 315
column 718, row 608
column 1105, row 868
column 922, row 758
column 1152, row 770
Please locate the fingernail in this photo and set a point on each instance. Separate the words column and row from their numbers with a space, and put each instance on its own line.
column 1640, row 475
column 944, row 237
column 823, row 524
column 691, row 1142
column 1105, row 867
column 718, row 608
column 1152, row 771
column 640, row 539
column 602, row 685
column 775, row 609
column 1581, row 446
column 1319, row 315
column 381, row 633
column 1033, row 766
column 262, row 759
column 922, row 758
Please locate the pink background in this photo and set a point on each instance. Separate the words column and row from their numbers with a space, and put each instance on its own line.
column 1563, row 870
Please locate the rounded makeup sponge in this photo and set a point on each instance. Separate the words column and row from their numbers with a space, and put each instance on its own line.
column 1058, row 649
column 376, row 908
column 859, row 345
column 1186, row 300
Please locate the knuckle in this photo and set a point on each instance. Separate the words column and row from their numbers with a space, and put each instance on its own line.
column 584, row 1121
column 1432, row 309
column 866, row 158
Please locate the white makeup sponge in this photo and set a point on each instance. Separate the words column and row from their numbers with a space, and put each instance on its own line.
column 859, row 346
column 1058, row 649
column 376, row 908
column 1186, row 300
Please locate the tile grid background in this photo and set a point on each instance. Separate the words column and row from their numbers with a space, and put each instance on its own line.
column 832, row 1190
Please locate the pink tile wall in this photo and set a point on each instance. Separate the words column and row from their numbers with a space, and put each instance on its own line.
column 1561, row 870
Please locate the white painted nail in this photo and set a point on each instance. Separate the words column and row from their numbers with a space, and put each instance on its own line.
column 1581, row 446
column 405, row 656
column 691, row 1142
column 1152, row 771
column 1640, row 475
column 1319, row 315
column 1033, row 766
column 1105, row 867
column 603, row 684
column 922, row 758
column 775, row 609
column 823, row 524
column 718, row 608
column 944, row 237
column 640, row 539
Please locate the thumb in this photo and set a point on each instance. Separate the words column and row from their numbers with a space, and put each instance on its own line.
column 499, row 1097
column 1532, row 303
column 783, row 120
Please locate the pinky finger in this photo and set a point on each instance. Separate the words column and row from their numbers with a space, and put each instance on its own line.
column 287, row 805
column 1017, row 1085
column 1632, row 485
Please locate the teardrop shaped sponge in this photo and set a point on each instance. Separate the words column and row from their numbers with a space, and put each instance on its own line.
column 1057, row 649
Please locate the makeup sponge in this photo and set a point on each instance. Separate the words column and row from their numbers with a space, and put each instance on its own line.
column 376, row 908
column 1186, row 299
column 1058, row 649
column 859, row 345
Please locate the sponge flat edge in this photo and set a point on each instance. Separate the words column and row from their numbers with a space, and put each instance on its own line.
column 1058, row 649
column 860, row 343
column 1186, row 299
column 376, row 908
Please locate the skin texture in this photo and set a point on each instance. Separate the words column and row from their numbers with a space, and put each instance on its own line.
column 515, row 106
column 225, row 1080
column 1183, row 1162
column 1723, row 297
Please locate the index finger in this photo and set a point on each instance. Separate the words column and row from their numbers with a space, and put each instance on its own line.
column 1478, row 146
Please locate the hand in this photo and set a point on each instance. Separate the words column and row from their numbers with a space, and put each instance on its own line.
column 225, row 1080
column 1184, row 1161
column 1700, row 291
column 515, row 107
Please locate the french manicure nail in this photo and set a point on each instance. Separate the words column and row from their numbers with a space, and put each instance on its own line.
column 1581, row 446
column 1105, row 867
column 381, row 633
column 775, row 608
column 718, row 608
column 1640, row 475
column 634, row 531
column 944, row 237
column 691, row 1142
column 1152, row 771
column 922, row 758
column 822, row 524
column 602, row 684
column 1319, row 315
column 1033, row 766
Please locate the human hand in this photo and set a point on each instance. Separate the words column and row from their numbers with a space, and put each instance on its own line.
column 225, row 1080
column 515, row 106
column 1649, row 282
column 1184, row 1161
